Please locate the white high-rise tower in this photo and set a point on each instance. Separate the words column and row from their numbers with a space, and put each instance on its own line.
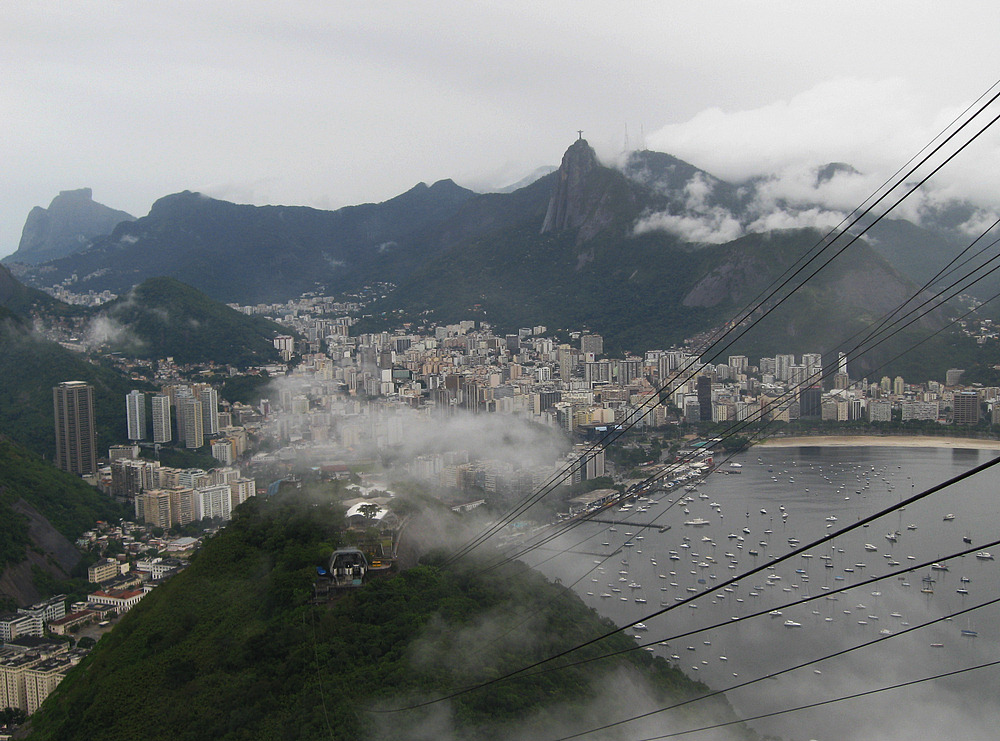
column 135, row 411
column 161, row 419
column 209, row 398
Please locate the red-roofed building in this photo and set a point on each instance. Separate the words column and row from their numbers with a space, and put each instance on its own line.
column 122, row 600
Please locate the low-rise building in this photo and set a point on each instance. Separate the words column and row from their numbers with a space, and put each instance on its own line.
column 122, row 601
column 158, row 567
column 14, row 624
column 102, row 571
column 64, row 625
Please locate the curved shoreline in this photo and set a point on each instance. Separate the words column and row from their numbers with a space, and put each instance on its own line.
column 870, row 441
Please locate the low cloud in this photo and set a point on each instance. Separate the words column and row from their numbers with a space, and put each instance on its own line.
column 717, row 226
column 701, row 222
column 980, row 221
column 104, row 331
column 815, row 218
column 871, row 124
column 780, row 153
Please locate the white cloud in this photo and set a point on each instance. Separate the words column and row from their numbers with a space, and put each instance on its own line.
column 815, row 218
column 978, row 223
column 712, row 227
column 701, row 223
column 876, row 126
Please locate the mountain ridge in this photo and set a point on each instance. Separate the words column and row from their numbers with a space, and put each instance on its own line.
column 628, row 252
column 71, row 221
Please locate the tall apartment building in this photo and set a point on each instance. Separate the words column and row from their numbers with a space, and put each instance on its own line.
column 153, row 507
column 243, row 489
column 213, row 501
column 129, row 477
column 224, row 450
column 189, row 418
column 161, row 419
column 76, row 436
column 285, row 344
column 842, row 364
column 879, row 411
column 919, row 410
column 966, row 407
column 813, row 361
column 166, row 507
column 592, row 343
column 135, row 413
column 782, row 366
column 209, row 398
column 704, row 389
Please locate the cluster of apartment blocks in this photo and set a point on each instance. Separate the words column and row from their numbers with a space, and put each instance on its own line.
column 460, row 368
column 31, row 621
column 119, row 593
column 30, row 672
column 26, row 626
column 781, row 390
column 163, row 496
column 573, row 387
column 31, row 667
column 196, row 408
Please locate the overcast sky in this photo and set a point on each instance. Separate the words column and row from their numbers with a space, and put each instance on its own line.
column 331, row 104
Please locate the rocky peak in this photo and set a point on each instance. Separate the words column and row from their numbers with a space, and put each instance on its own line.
column 68, row 225
column 569, row 206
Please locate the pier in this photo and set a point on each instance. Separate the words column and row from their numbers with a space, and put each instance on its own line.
column 630, row 523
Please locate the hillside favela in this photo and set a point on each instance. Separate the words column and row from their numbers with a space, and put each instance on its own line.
column 685, row 427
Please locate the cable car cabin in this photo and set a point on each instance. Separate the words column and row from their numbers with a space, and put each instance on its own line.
column 348, row 567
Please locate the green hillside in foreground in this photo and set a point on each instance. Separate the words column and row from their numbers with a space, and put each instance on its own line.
column 163, row 317
column 30, row 366
column 232, row 649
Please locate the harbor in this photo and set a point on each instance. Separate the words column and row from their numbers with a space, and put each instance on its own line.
column 857, row 588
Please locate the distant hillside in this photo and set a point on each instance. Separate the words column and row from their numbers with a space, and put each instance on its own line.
column 163, row 317
column 30, row 366
column 252, row 254
column 23, row 300
column 230, row 649
column 42, row 511
column 68, row 225
column 580, row 262
column 647, row 255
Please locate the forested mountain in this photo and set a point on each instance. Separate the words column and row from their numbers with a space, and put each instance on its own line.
column 30, row 366
column 162, row 317
column 646, row 254
column 252, row 254
column 231, row 649
column 22, row 300
column 42, row 511
column 585, row 264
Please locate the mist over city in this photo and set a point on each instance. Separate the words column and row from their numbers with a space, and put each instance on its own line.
column 523, row 372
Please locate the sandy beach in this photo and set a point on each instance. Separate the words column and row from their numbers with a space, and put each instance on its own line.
column 895, row 441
